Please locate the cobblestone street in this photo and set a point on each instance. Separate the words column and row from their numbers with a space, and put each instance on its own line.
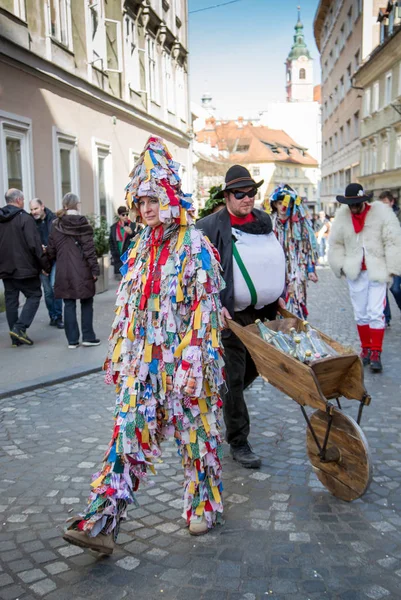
column 285, row 536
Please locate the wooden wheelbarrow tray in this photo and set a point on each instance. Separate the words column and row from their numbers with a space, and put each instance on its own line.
column 336, row 445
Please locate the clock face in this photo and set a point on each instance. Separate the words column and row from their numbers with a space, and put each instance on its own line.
column 302, row 59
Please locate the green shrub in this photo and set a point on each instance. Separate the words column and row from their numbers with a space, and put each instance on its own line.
column 100, row 234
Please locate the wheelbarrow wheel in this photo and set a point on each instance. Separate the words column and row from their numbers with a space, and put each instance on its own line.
column 346, row 470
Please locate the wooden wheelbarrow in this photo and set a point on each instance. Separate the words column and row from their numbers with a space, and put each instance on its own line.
column 336, row 445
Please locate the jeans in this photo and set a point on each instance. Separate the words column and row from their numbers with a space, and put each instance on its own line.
column 31, row 289
column 54, row 306
column 395, row 289
column 241, row 372
column 71, row 324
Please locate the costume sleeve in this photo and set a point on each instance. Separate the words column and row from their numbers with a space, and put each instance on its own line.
column 310, row 246
column 391, row 233
column 200, row 363
column 336, row 252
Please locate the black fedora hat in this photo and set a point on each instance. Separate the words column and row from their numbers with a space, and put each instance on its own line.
column 237, row 177
column 354, row 194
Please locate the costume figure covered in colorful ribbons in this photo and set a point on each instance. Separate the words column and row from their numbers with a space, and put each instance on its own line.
column 294, row 231
column 164, row 358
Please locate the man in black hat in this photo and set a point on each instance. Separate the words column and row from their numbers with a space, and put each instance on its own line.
column 254, row 271
column 365, row 246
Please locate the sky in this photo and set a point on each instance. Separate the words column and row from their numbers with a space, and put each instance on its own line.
column 238, row 51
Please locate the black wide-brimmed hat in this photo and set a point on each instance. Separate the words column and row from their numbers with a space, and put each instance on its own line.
column 354, row 194
column 237, row 177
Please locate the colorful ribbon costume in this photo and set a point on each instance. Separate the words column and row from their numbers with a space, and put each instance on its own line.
column 164, row 357
column 296, row 236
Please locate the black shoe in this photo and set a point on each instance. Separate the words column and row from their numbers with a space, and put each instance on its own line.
column 365, row 356
column 91, row 343
column 21, row 335
column 15, row 343
column 59, row 324
column 244, row 455
column 375, row 362
column 53, row 323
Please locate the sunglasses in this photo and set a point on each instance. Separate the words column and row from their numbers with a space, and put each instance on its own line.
column 238, row 195
column 124, row 214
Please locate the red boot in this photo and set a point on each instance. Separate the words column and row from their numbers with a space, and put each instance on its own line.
column 377, row 336
column 364, row 336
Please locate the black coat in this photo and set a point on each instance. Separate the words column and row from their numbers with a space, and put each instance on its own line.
column 217, row 227
column 21, row 253
column 44, row 225
column 71, row 245
column 115, row 253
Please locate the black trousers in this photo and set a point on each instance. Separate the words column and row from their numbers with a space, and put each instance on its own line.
column 32, row 291
column 71, row 324
column 240, row 372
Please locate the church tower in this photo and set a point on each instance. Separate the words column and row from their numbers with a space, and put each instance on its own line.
column 299, row 68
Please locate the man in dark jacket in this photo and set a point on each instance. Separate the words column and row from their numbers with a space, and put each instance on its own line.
column 44, row 218
column 254, row 271
column 121, row 234
column 21, row 262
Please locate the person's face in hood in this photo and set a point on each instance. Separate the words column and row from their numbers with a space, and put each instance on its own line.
column 357, row 209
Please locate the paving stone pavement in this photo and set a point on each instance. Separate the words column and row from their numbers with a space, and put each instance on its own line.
column 285, row 536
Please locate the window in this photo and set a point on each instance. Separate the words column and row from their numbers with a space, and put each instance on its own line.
column 302, row 74
column 388, row 88
column 335, row 142
column 16, row 154
column 385, row 154
column 326, row 70
column 398, row 150
column 348, row 131
column 356, row 125
column 103, row 184
column 367, row 104
column 105, row 52
column 131, row 55
column 306, row 191
column 342, row 90
column 374, row 158
column 342, row 36
column 295, row 172
column 348, row 81
column 375, row 99
column 347, row 176
column 399, row 80
column 169, row 82
column 349, row 21
column 65, row 165
column 256, row 171
column 358, row 6
column 59, row 20
column 336, row 51
column 181, row 93
column 133, row 157
column 341, row 137
column 357, row 59
column 19, row 9
column 153, row 66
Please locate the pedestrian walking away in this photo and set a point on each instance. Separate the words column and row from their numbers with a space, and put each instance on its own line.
column 121, row 234
column 365, row 247
column 164, row 359
column 322, row 229
column 294, row 231
column 21, row 262
column 44, row 218
column 71, row 245
column 254, row 270
column 395, row 286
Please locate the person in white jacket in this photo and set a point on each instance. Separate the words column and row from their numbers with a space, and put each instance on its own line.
column 365, row 247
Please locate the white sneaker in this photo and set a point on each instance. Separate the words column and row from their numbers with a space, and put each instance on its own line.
column 93, row 343
column 72, row 346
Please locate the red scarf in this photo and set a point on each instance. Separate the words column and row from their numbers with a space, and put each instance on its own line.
column 358, row 221
column 241, row 220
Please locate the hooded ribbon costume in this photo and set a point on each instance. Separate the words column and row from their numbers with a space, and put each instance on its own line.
column 164, row 356
column 297, row 238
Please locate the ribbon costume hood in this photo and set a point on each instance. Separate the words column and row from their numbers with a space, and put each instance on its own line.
column 164, row 355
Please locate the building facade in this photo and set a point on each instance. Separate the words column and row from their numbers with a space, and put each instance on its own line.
column 345, row 33
column 269, row 154
column 83, row 83
column 380, row 78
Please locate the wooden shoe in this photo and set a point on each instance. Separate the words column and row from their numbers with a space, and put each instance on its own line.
column 198, row 526
column 101, row 543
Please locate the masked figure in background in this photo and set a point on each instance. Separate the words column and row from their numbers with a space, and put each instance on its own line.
column 164, row 358
column 294, row 231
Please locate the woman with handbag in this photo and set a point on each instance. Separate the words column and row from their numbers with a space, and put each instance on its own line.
column 71, row 244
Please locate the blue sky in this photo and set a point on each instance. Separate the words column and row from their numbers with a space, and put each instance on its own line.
column 237, row 52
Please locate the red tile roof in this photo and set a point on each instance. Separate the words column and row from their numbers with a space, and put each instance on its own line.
column 254, row 144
